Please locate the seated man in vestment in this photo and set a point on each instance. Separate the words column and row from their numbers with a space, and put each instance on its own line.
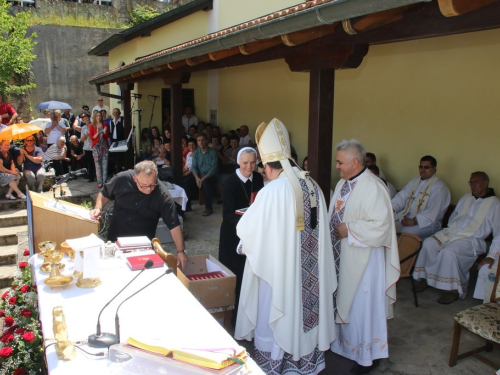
column 286, row 301
column 371, row 159
column 446, row 257
column 366, row 258
column 421, row 205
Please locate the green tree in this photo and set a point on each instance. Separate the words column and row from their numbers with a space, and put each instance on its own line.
column 142, row 14
column 16, row 48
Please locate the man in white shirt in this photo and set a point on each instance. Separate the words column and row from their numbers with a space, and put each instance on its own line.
column 245, row 140
column 100, row 105
column 189, row 119
column 446, row 257
column 421, row 205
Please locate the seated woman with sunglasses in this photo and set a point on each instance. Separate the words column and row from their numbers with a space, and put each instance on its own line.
column 31, row 157
column 9, row 175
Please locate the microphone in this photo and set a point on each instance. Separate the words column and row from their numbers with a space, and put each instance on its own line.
column 153, row 96
column 117, row 318
column 139, row 96
column 105, row 340
column 139, row 110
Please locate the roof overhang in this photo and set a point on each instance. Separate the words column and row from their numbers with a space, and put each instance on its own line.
column 145, row 28
column 329, row 26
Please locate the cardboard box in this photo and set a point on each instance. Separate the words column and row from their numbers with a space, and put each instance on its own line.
column 211, row 293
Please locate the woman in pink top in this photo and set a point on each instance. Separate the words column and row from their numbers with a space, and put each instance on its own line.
column 99, row 134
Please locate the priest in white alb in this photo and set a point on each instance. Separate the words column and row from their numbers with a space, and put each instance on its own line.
column 286, row 302
column 366, row 259
column 446, row 257
column 420, row 206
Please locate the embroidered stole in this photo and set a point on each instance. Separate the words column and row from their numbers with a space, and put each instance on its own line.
column 422, row 196
column 336, row 219
column 450, row 234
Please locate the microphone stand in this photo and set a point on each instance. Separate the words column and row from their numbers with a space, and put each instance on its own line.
column 151, row 119
column 117, row 318
column 105, row 340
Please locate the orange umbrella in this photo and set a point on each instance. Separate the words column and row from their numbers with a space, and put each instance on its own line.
column 18, row 131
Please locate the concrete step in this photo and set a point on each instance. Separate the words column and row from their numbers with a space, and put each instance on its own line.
column 8, row 255
column 8, row 236
column 7, row 275
column 9, row 218
column 7, row 204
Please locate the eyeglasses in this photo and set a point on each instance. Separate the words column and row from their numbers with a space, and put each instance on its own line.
column 99, row 100
column 475, row 182
column 425, row 167
column 152, row 186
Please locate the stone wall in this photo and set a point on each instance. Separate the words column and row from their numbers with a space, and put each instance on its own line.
column 118, row 10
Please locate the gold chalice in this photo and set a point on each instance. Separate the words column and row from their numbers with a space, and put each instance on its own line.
column 45, row 246
column 56, row 279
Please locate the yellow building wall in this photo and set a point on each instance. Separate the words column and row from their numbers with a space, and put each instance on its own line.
column 434, row 96
column 233, row 12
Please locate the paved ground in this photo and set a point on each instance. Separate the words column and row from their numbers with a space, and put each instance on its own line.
column 419, row 338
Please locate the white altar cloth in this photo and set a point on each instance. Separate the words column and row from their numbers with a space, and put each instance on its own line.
column 179, row 196
column 166, row 310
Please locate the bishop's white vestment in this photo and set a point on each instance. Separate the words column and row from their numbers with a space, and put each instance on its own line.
column 446, row 258
column 367, row 264
column 286, row 301
column 428, row 203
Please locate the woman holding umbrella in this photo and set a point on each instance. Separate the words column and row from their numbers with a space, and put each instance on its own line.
column 9, row 175
column 99, row 133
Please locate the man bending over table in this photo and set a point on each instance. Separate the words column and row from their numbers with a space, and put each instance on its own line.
column 139, row 203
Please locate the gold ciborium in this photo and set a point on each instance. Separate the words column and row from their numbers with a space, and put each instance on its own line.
column 56, row 279
column 44, row 247
column 47, row 266
column 89, row 282
column 68, row 250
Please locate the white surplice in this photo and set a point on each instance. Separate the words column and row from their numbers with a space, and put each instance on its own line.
column 369, row 269
column 446, row 266
column 429, row 219
column 271, row 306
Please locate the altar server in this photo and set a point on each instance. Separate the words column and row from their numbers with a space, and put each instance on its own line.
column 446, row 257
column 366, row 258
column 286, row 301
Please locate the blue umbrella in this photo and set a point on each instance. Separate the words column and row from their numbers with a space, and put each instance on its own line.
column 53, row 105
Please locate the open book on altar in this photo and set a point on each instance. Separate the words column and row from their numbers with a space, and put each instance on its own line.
column 214, row 358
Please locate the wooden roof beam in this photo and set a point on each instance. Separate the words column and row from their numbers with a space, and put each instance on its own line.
column 451, row 8
column 303, row 36
column 193, row 61
column 260, row 45
column 222, row 54
column 375, row 20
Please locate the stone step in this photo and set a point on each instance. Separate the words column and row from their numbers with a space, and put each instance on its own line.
column 8, row 255
column 8, row 236
column 9, row 218
column 7, row 275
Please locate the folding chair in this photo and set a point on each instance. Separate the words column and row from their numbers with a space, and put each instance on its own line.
column 409, row 246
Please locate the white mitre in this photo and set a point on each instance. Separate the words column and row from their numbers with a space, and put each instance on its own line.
column 273, row 142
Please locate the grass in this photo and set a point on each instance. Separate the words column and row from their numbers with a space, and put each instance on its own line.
column 45, row 17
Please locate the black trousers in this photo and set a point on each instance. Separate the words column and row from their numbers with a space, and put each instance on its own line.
column 189, row 185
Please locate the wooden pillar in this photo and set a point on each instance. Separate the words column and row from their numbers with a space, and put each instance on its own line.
column 176, row 130
column 126, row 89
column 319, row 144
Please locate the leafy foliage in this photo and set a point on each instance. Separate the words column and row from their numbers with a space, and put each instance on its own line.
column 17, row 50
column 142, row 14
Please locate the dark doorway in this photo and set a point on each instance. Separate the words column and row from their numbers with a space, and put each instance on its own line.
column 187, row 101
